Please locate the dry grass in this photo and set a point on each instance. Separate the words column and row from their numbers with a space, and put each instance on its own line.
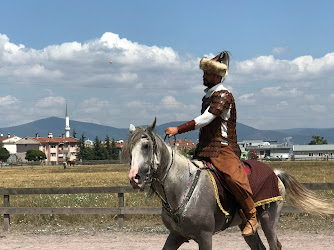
column 56, row 176
column 307, row 171
column 116, row 175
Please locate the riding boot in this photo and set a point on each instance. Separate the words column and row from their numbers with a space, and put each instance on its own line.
column 249, row 219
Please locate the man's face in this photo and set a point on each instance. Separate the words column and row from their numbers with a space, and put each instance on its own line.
column 210, row 79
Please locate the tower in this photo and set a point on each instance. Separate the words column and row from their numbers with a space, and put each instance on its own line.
column 67, row 124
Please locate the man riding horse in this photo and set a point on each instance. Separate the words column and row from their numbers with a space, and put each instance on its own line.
column 217, row 136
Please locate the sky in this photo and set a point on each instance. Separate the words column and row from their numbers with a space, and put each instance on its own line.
column 54, row 53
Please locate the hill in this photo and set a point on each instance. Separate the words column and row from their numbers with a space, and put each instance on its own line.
column 56, row 126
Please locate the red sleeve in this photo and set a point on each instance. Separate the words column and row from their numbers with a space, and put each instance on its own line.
column 185, row 127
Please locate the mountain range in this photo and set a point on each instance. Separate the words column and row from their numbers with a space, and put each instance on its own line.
column 56, row 126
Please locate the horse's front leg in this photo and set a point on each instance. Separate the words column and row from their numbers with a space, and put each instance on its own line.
column 174, row 241
column 204, row 240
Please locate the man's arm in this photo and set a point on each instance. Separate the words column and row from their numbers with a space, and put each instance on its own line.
column 220, row 101
column 197, row 123
column 185, row 127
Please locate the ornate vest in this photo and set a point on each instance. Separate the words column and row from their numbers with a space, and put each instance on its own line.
column 210, row 136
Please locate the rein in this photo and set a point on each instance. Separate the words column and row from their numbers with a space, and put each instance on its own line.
column 150, row 178
column 173, row 213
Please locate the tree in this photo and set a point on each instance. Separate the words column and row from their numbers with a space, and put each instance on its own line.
column 82, row 148
column 317, row 140
column 4, row 154
column 74, row 134
column 35, row 155
column 97, row 149
column 114, row 151
column 108, row 147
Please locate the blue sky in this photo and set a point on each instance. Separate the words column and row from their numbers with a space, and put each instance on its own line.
column 58, row 52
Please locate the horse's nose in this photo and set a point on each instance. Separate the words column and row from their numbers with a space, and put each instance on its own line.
column 137, row 177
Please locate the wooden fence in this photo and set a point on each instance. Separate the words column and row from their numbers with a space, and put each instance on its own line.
column 120, row 211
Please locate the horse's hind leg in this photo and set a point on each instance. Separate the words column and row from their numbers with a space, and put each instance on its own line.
column 269, row 220
column 174, row 241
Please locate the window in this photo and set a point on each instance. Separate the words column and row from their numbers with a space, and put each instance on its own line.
column 53, row 146
column 310, row 154
column 320, row 154
column 53, row 154
column 73, row 154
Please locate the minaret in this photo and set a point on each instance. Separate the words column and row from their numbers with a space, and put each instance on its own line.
column 67, row 124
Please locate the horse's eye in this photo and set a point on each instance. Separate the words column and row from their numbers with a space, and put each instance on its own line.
column 146, row 146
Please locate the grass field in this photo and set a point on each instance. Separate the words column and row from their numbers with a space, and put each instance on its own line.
column 116, row 175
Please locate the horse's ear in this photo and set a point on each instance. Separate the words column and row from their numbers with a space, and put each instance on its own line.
column 152, row 126
column 132, row 128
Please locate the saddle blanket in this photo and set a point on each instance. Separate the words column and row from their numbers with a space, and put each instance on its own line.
column 263, row 182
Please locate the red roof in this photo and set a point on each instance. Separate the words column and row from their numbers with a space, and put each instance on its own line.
column 55, row 139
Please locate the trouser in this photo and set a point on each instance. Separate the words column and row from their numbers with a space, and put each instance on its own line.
column 236, row 178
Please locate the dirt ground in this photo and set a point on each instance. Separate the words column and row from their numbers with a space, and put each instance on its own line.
column 146, row 241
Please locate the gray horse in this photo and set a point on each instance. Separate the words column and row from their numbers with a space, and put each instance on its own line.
column 190, row 209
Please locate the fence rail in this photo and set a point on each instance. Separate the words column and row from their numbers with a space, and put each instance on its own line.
column 120, row 211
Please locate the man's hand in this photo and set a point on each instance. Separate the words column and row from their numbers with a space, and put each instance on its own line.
column 171, row 131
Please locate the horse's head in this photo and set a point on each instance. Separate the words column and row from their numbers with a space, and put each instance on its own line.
column 140, row 152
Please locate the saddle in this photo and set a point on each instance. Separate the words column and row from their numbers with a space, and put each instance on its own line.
column 262, row 179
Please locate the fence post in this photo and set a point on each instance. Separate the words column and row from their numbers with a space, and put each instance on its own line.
column 121, row 206
column 6, row 217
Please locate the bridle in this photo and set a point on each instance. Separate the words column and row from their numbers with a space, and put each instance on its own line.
column 153, row 166
column 153, row 179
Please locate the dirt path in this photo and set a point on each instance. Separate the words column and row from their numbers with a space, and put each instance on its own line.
column 147, row 241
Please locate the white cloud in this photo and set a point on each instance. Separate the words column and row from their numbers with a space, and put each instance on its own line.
column 282, row 105
column 51, row 102
column 8, row 100
column 146, row 81
column 247, row 99
column 281, row 92
column 264, row 68
column 279, row 50
column 318, row 108
column 169, row 102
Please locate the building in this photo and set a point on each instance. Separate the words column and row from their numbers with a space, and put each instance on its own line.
column 89, row 143
column 23, row 145
column 56, row 149
column 265, row 149
column 313, row 152
column 184, row 144
column 9, row 143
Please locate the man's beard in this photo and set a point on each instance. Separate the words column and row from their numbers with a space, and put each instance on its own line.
column 209, row 84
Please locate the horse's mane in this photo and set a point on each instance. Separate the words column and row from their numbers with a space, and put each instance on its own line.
column 135, row 136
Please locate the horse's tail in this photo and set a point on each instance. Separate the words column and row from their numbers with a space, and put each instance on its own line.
column 303, row 198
